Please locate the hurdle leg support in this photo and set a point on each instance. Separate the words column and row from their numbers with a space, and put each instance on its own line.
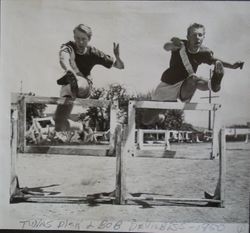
column 113, row 122
column 120, row 191
column 14, row 183
column 216, row 135
column 222, row 166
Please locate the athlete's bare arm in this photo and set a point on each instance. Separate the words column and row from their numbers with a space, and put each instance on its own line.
column 235, row 65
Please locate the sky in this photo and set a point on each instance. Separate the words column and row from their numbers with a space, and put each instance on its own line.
column 32, row 32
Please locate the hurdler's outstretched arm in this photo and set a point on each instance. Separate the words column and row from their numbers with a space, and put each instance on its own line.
column 238, row 64
column 176, row 43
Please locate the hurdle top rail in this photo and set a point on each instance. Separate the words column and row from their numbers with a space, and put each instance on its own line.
column 174, row 105
column 19, row 101
column 17, row 98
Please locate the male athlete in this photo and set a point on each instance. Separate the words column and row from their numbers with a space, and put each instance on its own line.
column 77, row 59
column 179, row 81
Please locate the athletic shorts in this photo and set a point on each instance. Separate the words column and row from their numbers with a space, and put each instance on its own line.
column 167, row 92
column 83, row 89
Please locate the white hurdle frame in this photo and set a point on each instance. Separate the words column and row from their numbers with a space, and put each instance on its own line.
column 130, row 150
column 18, row 145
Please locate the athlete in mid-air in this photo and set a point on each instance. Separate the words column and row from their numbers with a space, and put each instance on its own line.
column 77, row 59
column 179, row 81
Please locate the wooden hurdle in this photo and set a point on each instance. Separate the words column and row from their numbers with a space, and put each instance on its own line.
column 18, row 146
column 129, row 149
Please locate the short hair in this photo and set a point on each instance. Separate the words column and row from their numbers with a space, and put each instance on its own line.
column 195, row 25
column 83, row 28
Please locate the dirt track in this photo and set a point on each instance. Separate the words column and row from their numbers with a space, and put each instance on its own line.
column 80, row 175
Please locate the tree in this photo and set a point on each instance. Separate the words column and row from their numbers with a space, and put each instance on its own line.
column 100, row 117
column 173, row 119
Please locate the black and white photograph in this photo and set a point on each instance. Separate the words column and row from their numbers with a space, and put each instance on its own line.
column 125, row 116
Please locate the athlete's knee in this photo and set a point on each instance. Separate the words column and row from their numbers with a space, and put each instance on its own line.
column 192, row 81
column 83, row 89
column 83, row 93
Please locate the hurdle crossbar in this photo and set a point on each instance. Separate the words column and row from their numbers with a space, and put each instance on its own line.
column 59, row 100
column 174, row 105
